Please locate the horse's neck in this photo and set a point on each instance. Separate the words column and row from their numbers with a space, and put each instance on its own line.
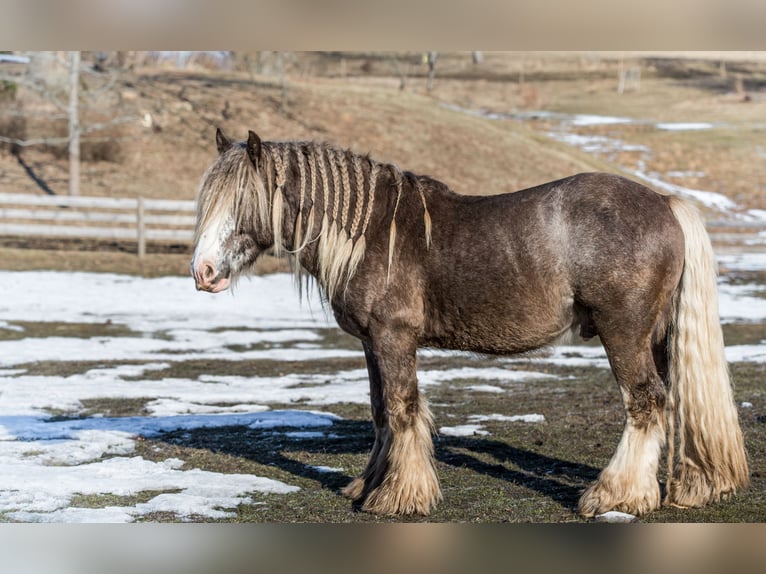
column 328, row 201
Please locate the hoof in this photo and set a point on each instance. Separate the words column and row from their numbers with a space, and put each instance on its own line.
column 355, row 489
column 603, row 497
column 389, row 502
column 693, row 489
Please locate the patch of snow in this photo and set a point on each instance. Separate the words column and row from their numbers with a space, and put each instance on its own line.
column 326, row 469
column 432, row 377
column 615, row 516
column 42, row 494
column 685, row 174
column 20, row 351
column 743, row 261
column 305, row 434
column 158, row 304
column 31, row 428
column 175, row 407
column 44, row 463
column 707, row 198
column 684, row 126
column 746, row 405
column 741, row 302
column 746, row 353
column 596, row 144
column 485, row 389
column 463, row 430
column 595, row 120
column 567, row 356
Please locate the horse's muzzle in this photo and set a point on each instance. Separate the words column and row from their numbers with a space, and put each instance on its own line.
column 207, row 278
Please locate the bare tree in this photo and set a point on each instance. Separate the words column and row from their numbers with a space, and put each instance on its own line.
column 52, row 81
column 74, row 123
column 431, row 59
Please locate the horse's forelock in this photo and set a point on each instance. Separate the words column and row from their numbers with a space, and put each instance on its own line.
column 232, row 187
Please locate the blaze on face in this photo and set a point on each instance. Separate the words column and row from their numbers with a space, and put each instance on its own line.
column 225, row 246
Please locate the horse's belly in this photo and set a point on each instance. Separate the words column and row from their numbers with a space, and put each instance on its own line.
column 499, row 328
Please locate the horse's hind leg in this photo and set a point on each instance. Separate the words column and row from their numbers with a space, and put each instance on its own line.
column 400, row 477
column 629, row 481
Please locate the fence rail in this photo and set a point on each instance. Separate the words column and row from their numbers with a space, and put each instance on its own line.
column 97, row 217
column 159, row 220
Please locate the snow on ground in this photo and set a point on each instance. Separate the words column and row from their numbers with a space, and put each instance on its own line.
column 46, row 462
column 463, row 430
column 742, row 303
column 743, row 261
column 615, row 516
column 156, row 305
column 472, row 428
column 594, row 120
column 707, row 198
column 684, row 126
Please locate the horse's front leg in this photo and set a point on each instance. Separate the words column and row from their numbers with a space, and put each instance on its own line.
column 400, row 477
column 359, row 487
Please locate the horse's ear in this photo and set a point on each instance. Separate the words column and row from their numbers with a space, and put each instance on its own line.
column 221, row 141
column 254, row 147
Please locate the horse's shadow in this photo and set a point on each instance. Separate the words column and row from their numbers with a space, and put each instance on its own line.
column 561, row 480
column 557, row 479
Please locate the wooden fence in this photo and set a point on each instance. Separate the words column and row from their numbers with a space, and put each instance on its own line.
column 139, row 219
column 161, row 220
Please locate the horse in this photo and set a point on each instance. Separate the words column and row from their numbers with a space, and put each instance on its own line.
column 404, row 263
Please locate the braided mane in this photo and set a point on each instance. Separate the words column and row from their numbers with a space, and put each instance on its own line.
column 336, row 195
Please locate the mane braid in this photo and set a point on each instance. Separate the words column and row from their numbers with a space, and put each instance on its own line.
column 331, row 238
column 325, row 180
column 298, row 228
column 270, row 173
column 360, row 243
column 345, row 186
column 392, row 230
column 312, row 163
column 426, row 215
column 374, row 170
column 346, row 245
column 325, row 229
column 278, row 199
column 360, row 196
column 332, row 157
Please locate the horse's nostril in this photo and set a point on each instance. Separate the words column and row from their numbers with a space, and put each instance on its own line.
column 208, row 272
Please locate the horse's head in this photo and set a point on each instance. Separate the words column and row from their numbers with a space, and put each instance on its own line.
column 232, row 215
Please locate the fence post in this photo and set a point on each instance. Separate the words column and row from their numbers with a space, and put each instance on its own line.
column 140, row 228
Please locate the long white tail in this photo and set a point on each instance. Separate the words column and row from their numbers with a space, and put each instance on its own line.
column 711, row 459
